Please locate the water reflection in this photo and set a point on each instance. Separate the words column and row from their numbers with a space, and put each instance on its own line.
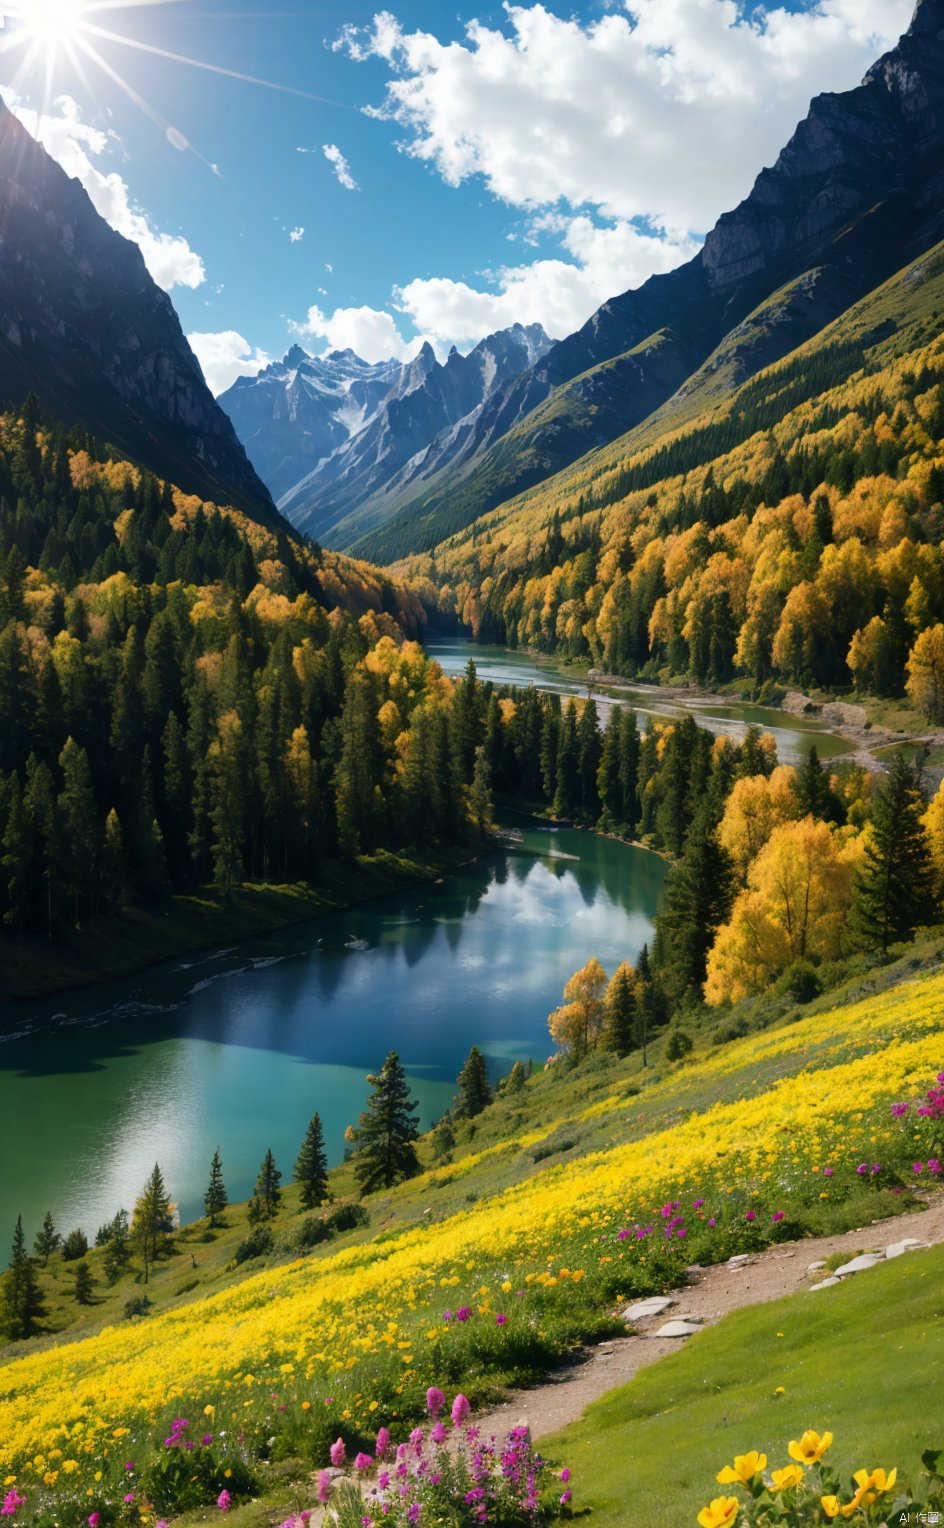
column 238, row 1047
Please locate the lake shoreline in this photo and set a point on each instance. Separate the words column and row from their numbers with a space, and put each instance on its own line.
column 120, row 944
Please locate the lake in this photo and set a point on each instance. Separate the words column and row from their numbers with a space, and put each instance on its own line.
column 239, row 1047
column 794, row 736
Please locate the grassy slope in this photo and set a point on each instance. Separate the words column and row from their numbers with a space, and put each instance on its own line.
column 859, row 1361
column 119, row 943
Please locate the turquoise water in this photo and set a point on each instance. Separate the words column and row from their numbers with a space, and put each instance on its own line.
column 239, row 1047
column 793, row 735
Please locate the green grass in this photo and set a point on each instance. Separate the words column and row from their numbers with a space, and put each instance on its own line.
column 862, row 1360
column 120, row 943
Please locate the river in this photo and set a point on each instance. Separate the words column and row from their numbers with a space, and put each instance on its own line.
column 794, row 736
column 239, row 1047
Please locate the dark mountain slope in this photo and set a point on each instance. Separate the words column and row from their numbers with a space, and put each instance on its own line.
column 83, row 325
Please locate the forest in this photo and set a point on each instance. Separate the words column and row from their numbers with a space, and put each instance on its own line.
column 794, row 540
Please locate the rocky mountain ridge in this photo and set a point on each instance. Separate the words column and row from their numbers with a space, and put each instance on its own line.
column 327, row 432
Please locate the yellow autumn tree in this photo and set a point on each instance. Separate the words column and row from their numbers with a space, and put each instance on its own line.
column 576, row 1026
column 795, row 907
column 933, row 822
column 756, row 806
column 925, row 683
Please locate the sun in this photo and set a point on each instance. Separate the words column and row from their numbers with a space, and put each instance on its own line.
column 51, row 22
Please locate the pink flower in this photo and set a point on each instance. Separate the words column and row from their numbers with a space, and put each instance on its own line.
column 828, row 1172
column 363, row 1462
column 129, row 1498
column 304, row 1516
column 11, row 1502
column 438, row 1434
column 435, row 1400
column 383, row 1479
column 876, row 1167
column 565, row 1475
column 750, row 1215
column 92, row 1520
column 565, row 1497
column 621, row 1235
column 934, row 1165
column 712, row 1222
column 778, row 1216
column 463, row 1313
column 899, row 1110
column 337, row 1453
column 324, row 1485
column 917, row 1167
column 862, row 1169
column 224, row 1501
column 383, row 1442
column 460, row 1410
column 500, row 1320
column 698, row 1204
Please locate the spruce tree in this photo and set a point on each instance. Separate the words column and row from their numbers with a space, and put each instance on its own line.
column 474, row 1091
column 619, row 1009
column 386, row 1131
column 814, row 792
column 699, row 892
column 117, row 1248
column 47, row 1238
column 480, row 794
column 264, row 1204
column 152, row 1222
column 311, row 1169
column 216, row 1198
column 21, row 1304
column 83, row 1284
column 894, row 888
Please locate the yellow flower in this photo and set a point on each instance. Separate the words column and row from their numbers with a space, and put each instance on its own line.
column 873, row 1485
column 373, row 1406
column 810, row 1448
column 720, row 1513
column 69, row 1466
column 306, row 1405
column 227, row 1474
column 780, row 1390
column 50, row 1477
column 833, row 1507
column 788, row 1478
column 746, row 1466
column 209, row 1411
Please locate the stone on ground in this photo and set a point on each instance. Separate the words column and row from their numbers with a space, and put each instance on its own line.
column 859, row 1264
column 909, row 1244
column 678, row 1329
column 644, row 1310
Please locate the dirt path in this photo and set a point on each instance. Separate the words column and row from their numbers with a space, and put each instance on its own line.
column 713, row 1292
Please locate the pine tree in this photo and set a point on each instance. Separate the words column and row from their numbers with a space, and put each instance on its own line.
column 516, row 1078
column 474, row 1091
column 311, row 1169
column 480, row 795
column 265, row 1203
column 619, row 1011
column 813, row 790
column 894, row 889
column 609, row 785
column 79, row 830
column 83, row 1284
column 216, row 1198
column 697, row 899
column 117, row 1248
column 386, row 1131
column 47, row 1238
column 21, row 1304
column 152, row 1222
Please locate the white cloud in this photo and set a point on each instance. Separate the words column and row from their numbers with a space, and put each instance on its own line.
column 340, row 166
column 226, row 356
column 371, row 333
column 663, row 110
column 75, row 144
column 296, row 235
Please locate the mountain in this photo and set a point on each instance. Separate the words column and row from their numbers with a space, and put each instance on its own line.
column 856, row 193
column 328, row 433
column 83, row 325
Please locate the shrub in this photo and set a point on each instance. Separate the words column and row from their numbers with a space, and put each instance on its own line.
column 678, row 1045
column 312, row 1230
column 347, row 1217
column 138, row 1305
column 75, row 1246
column 259, row 1241
column 801, row 981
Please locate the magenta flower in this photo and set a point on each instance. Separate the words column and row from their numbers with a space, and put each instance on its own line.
column 129, row 1498
column 460, row 1410
column 698, row 1204
column 565, row 1497
column 899, row 1110
column 383, row 1442
column 435, row 1400
column 447, row 1315
column 500, row 1320
column 304, row 1516
column 11, row 1502
column 751, row 1215
column 828, row 1172
column 413, row 1512
column 363, row 1462
column 934, row 1165
column 224, row 1501
column 565, row 1475
column 778, row 1216
column 862, row 1169
column 876, row 1167
column 324, row 1485
column 337, row 1453
column 712, row 1222
column 92, row 1520
column 621, row 1235
column 438, row 1434
column 207, row 1439
column 917, row 1167
column 463, row 1313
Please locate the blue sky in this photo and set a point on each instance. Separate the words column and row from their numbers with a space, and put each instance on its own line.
column 526, row 168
